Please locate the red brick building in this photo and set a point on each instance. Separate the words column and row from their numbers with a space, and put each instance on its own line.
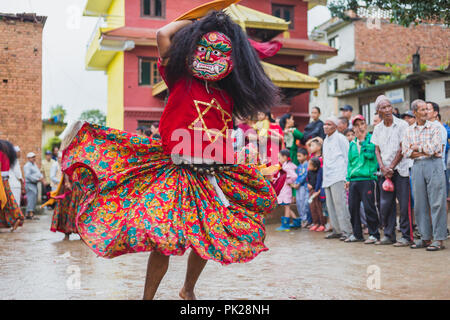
column 21, row 81
column 370, row 44
column 124, row 46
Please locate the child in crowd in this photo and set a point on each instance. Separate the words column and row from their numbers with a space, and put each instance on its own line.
column 262, row 128
column 314, row 180
column 285, row 196
column 349, row 134
column 302, row 193
column 315, row 150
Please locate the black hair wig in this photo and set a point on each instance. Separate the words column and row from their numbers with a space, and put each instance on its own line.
column 8, row 149
column 247, row 84
column 283, row 120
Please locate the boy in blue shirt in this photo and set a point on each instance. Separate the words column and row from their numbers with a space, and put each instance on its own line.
column 302, row 193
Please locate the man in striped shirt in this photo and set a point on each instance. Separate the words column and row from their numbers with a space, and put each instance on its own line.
column 422, row 142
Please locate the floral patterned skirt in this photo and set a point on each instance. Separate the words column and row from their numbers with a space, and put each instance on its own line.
column 65, row 214
column 11, row 212
column 135, row 199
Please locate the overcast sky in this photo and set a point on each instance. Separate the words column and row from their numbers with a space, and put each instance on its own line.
column 66, row 34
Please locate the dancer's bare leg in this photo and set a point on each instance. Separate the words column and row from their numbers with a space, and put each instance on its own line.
column 156, row 269
column 194, row 269
column 16, row 225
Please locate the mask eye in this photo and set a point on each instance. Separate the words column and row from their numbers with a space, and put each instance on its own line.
column 201, row 49
column 217, row 53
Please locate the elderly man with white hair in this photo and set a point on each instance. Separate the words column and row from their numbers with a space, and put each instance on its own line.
column 335, row 160
column 32, row 177
column 422, row 142
column 387, row 138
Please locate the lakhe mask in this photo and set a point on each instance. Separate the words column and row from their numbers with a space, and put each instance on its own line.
column 212, row 59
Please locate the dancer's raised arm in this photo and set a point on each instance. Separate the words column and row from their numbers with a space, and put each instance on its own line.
column 164, row 37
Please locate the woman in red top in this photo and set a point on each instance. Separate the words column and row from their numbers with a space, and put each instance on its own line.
column 183, row 190
column 10, row 214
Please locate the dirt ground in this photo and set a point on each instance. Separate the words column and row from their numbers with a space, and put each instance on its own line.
column 37, row 264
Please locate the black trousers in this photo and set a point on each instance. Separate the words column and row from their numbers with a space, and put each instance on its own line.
column 388, row 208
column 363, row 191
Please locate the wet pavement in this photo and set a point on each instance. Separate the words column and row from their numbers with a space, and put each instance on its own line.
column 37, row 264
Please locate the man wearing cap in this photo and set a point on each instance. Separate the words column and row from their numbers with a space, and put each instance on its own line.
column 47, row 164
column 335, row 160
column 387, row 138
column 362, row 166
column 346, row 111
column 32, row 177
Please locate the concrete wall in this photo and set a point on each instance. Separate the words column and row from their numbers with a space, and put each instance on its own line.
column 346, row 51
column 435, row 91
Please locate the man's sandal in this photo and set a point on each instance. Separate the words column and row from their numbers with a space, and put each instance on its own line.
column 419, row 244
column 435, row 246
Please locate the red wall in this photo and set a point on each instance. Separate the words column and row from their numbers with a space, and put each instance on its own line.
column 138, row 98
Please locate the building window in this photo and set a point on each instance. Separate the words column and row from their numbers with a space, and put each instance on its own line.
column 148, row 72
column 368, row 112
column 334, row 42
column 332, row 85
column 153, row 8
column 447, row 89
column 285, row 12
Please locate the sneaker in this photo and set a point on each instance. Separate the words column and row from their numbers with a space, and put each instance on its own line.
column 320, row 229
column 352, row 238
column 384, row 241
column 333, row 236
column 371, row 240
column 343, row 238
column 402, row 243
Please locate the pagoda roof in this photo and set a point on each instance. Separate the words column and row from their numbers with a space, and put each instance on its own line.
column 281, row 77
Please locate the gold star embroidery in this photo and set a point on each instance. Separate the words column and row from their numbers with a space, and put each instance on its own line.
column 213, row 134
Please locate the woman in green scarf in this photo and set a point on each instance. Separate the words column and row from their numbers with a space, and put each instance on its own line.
column 291, row 135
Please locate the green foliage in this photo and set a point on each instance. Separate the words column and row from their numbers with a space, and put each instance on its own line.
column 51, row 143
column 423, row 67
column 363, row 80
column 404, row 12
column 397, row 73
column 94, row 116
column 58, row 113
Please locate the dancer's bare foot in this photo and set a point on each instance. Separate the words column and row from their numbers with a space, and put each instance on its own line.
column 66, row 236
column 187, row 295
column 16, row 225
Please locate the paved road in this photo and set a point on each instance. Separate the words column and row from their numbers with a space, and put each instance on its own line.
column 36, row 264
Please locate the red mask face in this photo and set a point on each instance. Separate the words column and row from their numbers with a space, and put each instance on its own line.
column 212, row 59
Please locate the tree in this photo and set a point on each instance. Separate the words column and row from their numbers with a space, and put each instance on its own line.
column 94, row 116
column 57, row 113
column 51, row 143
column 404, row 12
